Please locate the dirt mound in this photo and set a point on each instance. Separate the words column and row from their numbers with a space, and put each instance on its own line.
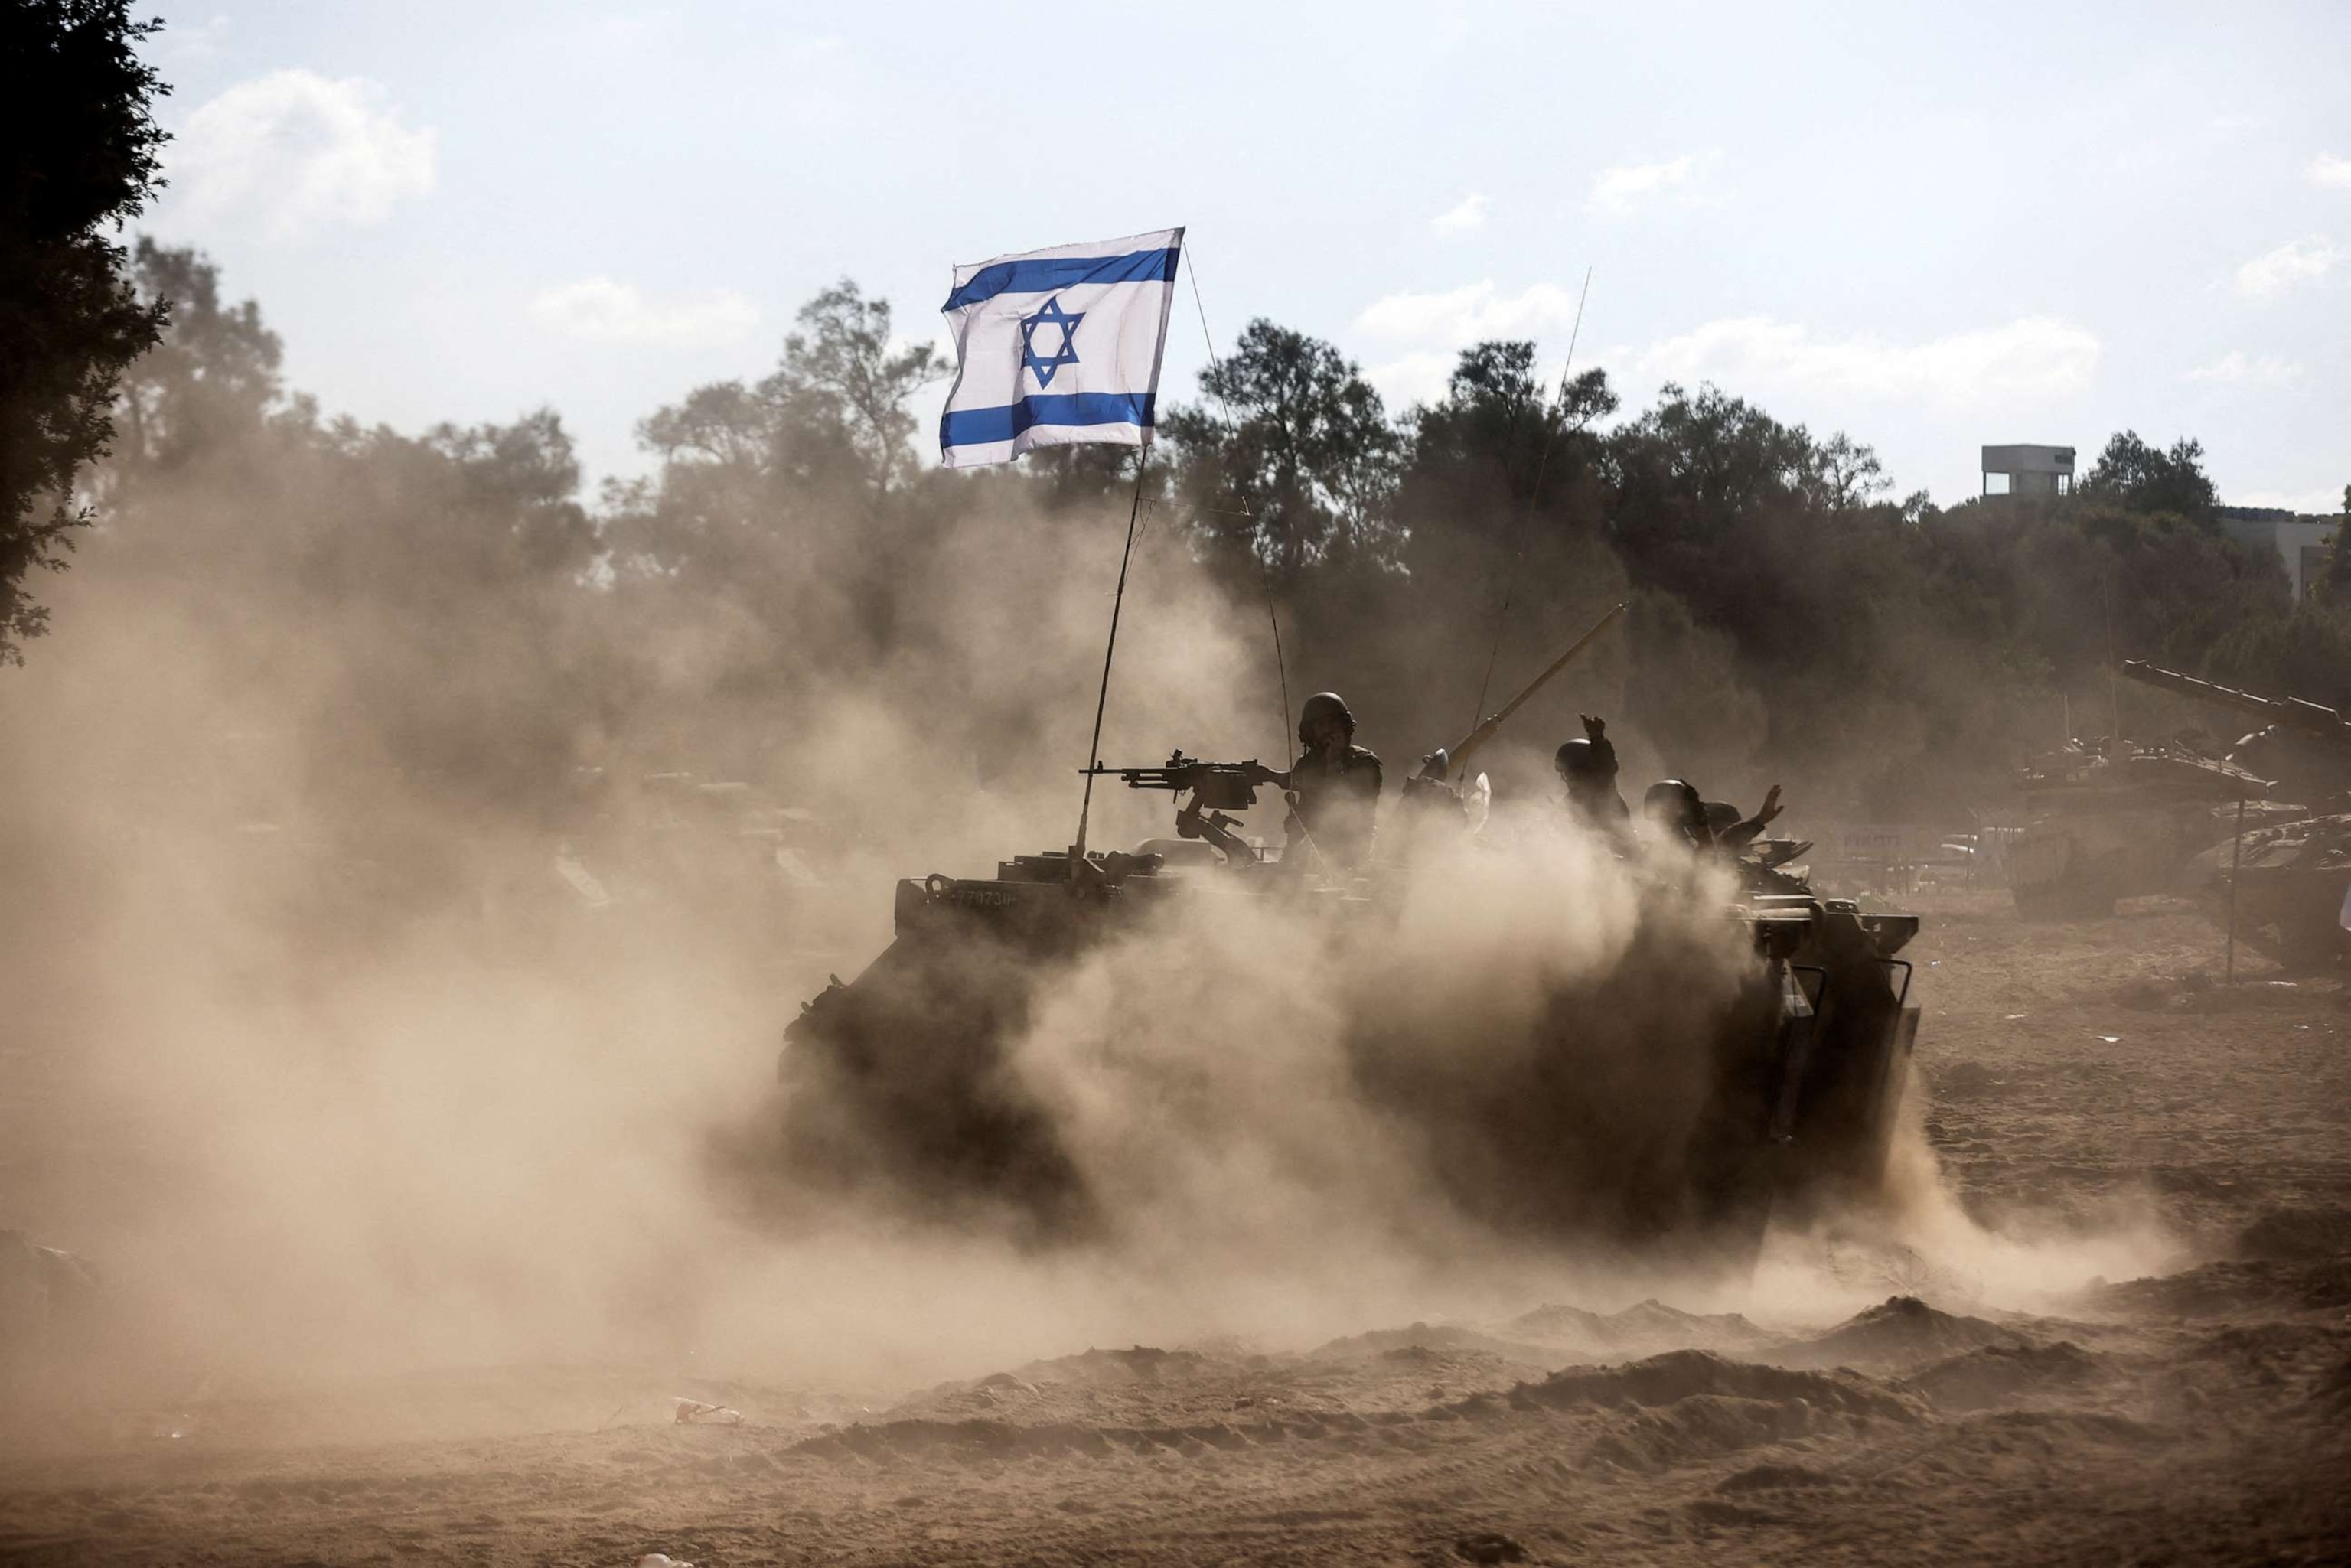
column 2058, row 1437
column 1138, row 1363
column 1774, row 1477
column 2271, row 1356
column 1997, row 1375
column 1426, row 1337
column 1644, row 1329
column 1901, row 1333
column 1683, row 1374
column 2297, row 1235
column 985, row 1439
column 2334, row 1390
column 1701, row 1427
column 1489, row 1546
column 2232, row 1290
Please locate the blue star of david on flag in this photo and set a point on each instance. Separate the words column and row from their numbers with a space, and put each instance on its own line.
column 1057, row 346
column 1066, row 354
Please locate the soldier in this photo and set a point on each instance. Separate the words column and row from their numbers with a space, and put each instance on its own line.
column 1678, row 813
column 1588, row 768
column 1334, row 786
column 1740, row 834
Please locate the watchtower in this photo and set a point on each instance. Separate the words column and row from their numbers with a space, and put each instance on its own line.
column 2028, row 470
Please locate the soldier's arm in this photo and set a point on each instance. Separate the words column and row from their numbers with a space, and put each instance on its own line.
column 1746, row 832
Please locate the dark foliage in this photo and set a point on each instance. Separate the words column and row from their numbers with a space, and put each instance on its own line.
column 1789, row 617
column 1792, row 619
column 77, row 147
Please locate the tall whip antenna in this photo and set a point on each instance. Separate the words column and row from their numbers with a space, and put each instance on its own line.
column 1534, row 498
column 1102, row 698
column 1264, row 572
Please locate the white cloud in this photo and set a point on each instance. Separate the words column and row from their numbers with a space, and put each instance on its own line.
column 1418, row 377
column 2238, row 368
column 2031, row 359
column 1616, row 189
column 1471, row 214
column 1470, row 314
column 292, row 151
column 601, row 311
column 2294, row 262
column 2326, row 169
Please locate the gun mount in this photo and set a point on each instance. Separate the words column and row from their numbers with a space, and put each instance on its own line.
column 1216, row 788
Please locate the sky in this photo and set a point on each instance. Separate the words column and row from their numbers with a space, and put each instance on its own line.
column 1930, row 227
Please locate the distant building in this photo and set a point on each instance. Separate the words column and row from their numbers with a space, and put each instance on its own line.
column 2028, row 470
column 2300, row 539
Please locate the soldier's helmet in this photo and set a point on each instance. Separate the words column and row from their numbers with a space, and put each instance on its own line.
column 1324, row 704
column 1580, row 761
column 1674, row 806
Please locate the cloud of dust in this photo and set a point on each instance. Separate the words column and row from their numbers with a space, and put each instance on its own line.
column 331, row 1062
column 1923, row 1241
column 334, row 1068
column 335, row 1065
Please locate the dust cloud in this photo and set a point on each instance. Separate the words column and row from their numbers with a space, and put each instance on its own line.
column 341, row 1058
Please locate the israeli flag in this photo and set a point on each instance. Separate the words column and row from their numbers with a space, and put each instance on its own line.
column 1057, row 346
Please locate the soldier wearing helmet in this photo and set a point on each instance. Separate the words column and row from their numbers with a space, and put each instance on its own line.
column 1334, row 786
column 1587, row 767
column 1676, row 813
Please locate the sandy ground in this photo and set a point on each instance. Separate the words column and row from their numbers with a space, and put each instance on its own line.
column 2077, row 1080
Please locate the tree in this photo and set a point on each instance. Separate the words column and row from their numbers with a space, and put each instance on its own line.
column 2142, row 478
column 2335, row 582
column 842, row 383
column 78, row 146
column 513, row 507
column 1496, row 417
column 1303, row 474
column 211, row 377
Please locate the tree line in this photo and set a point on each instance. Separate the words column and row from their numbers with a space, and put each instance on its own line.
column 1793, row 616
column 1790, row 614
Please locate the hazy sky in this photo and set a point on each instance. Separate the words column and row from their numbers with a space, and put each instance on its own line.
column 1932, row 230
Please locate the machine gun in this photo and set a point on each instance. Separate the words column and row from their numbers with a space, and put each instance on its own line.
column 1216, row 788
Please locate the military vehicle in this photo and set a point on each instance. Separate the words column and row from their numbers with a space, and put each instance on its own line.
column 2287, row 884
column 2117, row 821
column 1777, row 1091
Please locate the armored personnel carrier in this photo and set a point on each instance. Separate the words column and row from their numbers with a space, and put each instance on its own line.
column 1773, row 1088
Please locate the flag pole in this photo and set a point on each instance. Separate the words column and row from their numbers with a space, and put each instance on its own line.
column 1102, row 698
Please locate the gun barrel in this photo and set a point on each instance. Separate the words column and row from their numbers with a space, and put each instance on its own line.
column 1460, row 754
column 1146, row 778
column 2308, row 718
